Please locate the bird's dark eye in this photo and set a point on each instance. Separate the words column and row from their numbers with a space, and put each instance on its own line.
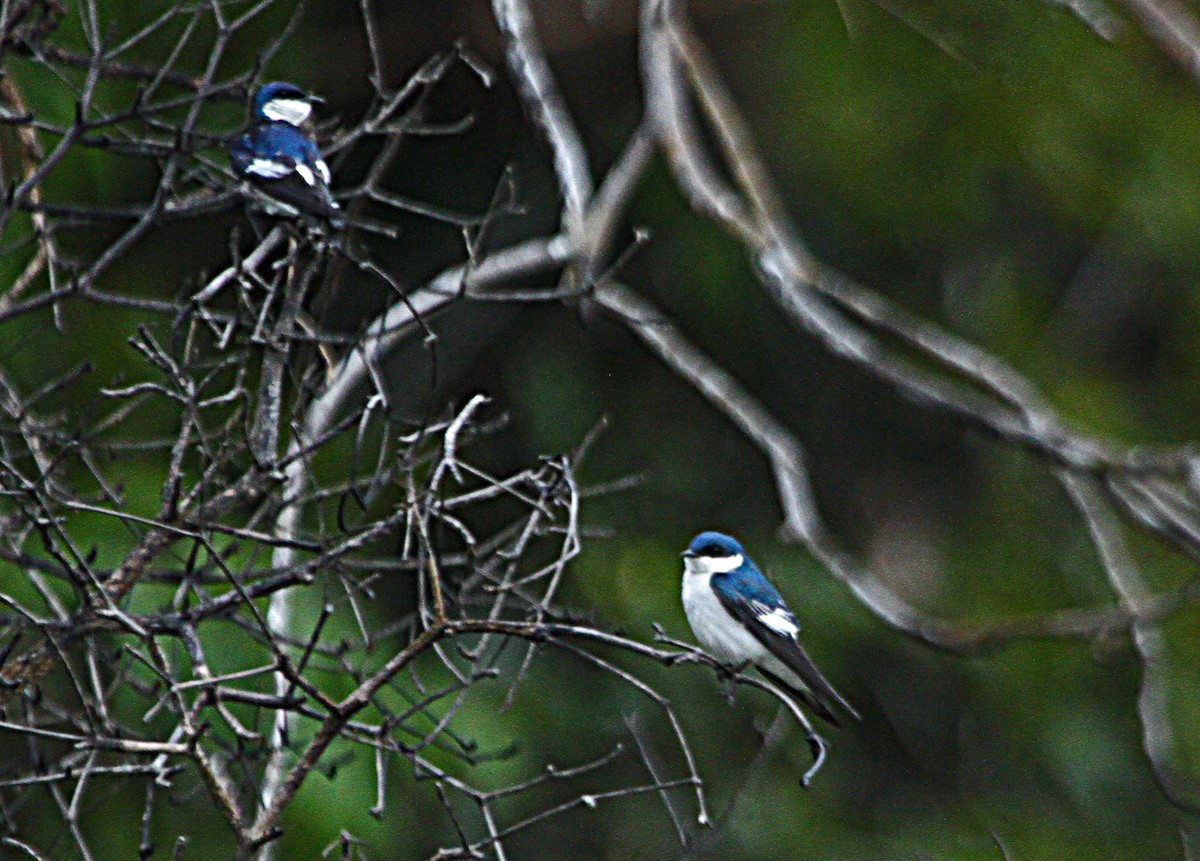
column 713, row 550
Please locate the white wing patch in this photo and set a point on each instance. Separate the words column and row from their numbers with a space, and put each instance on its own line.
column 293, row 111
column 306, row 173
column 778, row 619
column 323, row 170
column 270, row 169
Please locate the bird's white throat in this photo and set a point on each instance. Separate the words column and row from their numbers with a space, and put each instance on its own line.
column 703, row 566
column 294, row 111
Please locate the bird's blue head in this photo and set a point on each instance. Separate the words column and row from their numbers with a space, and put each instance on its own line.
column 284, row 102
column 713, row 553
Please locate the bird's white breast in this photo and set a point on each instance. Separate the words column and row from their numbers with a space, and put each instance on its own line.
column 718, row 632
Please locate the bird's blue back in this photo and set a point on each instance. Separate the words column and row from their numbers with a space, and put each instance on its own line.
column 276, row 140
column 746, row 581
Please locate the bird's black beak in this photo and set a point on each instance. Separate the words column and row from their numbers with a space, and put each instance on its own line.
column 314, row 100
column 689, row 554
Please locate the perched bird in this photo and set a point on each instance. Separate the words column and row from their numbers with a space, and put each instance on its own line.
column 740, row 618
column 280, row 101
column 278, row 158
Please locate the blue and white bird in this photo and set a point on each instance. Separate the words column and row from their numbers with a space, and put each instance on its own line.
column 741, row 619
column 280, row 159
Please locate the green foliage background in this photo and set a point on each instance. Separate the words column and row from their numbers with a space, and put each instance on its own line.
column 994, row 167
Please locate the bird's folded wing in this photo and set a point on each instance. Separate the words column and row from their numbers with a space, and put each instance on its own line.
column 294, row 191
column 776, row 628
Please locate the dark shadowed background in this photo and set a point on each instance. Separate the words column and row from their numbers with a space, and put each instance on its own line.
column 997, row 168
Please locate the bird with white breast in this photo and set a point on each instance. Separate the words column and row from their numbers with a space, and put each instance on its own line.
column 742, row 620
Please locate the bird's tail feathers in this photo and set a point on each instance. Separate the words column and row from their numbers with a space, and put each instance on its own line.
column 810, row 700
